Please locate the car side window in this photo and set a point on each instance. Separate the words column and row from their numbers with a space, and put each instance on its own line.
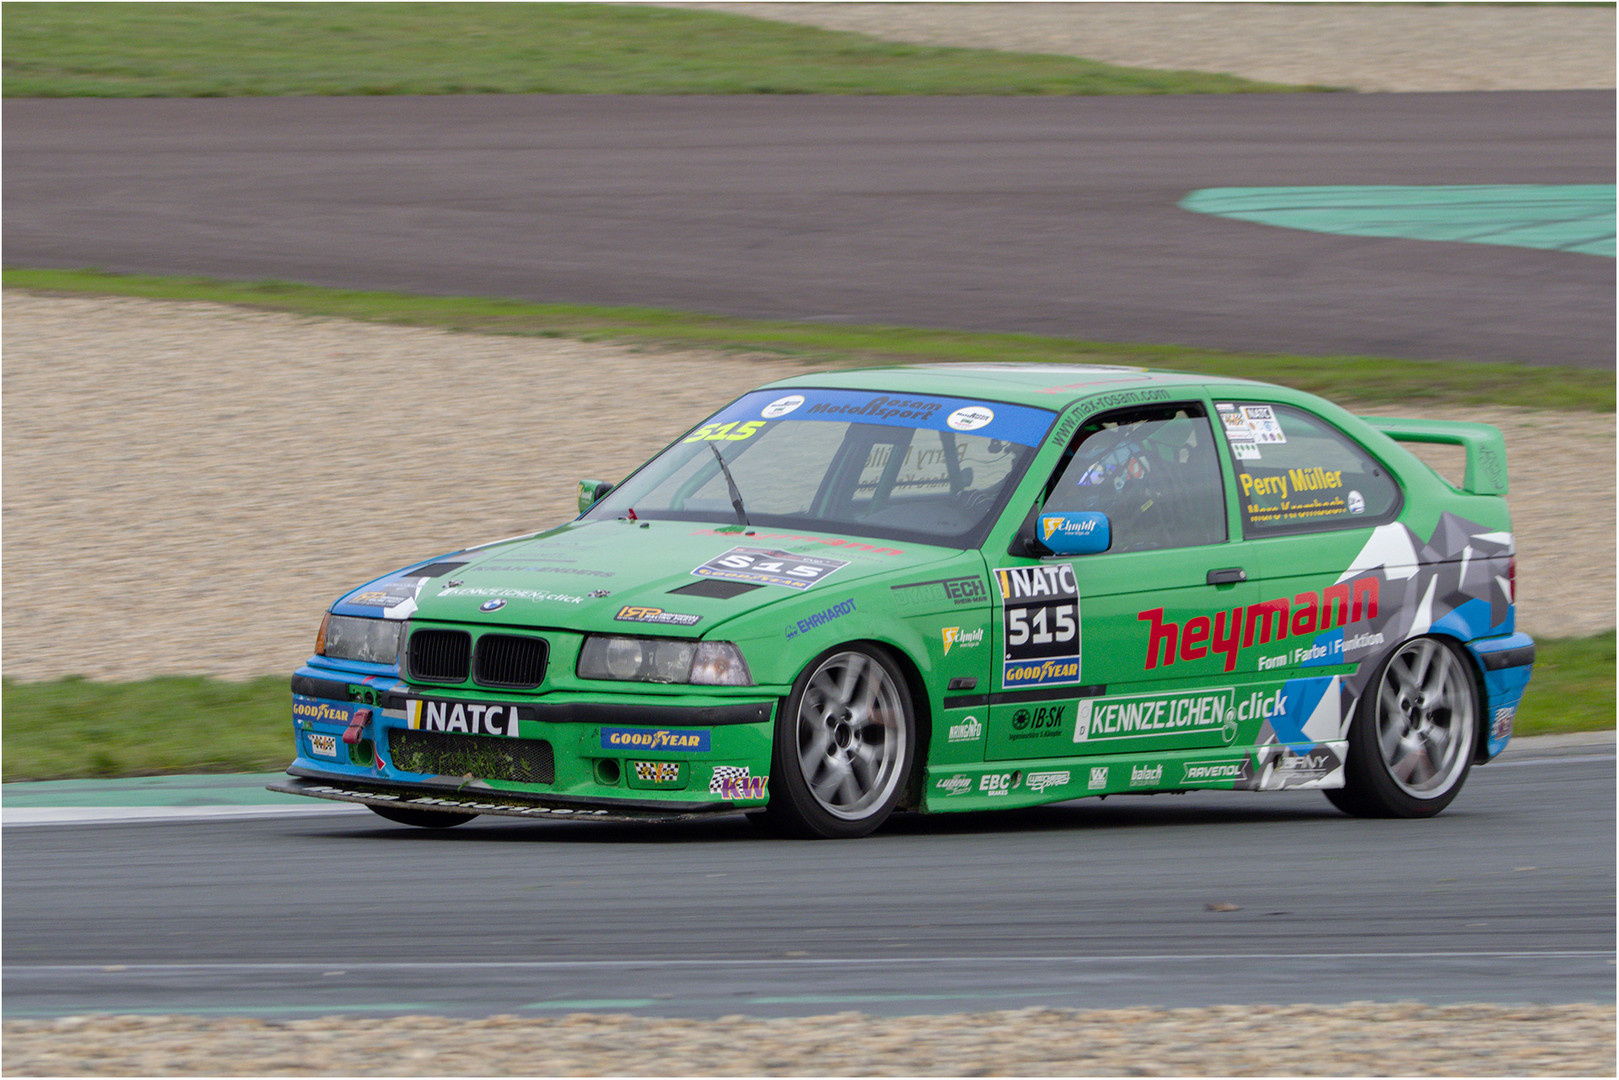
column 1297, row 473
column 1153, row 471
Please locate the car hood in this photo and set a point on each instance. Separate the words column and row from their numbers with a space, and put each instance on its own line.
column 675, row 577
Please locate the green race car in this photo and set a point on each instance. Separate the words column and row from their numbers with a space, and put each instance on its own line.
column 948, row 588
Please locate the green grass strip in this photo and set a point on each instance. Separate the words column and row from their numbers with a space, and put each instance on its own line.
column 1359, row 380
column 71, row 729
column 277, row 49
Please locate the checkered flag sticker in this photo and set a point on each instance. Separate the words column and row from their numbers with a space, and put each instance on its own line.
column 723, row 773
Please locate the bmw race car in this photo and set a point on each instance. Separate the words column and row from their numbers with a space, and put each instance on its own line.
column 942, row 589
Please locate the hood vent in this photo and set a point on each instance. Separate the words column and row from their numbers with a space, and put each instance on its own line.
column 437, row 569
column 714, row 588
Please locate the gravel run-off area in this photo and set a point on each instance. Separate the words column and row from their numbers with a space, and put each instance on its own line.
column 1366, row 47
column 188, row 486
column 1358, row 1039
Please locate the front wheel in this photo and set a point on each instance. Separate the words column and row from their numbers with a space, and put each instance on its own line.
column 425, row 819
column 1412, row 740
column 844, row 746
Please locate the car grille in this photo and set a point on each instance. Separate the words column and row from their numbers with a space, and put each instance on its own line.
column 510, row 661
column 483, row 757
column 440, row 655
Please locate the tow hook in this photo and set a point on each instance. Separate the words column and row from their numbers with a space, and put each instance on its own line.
column 357, row 726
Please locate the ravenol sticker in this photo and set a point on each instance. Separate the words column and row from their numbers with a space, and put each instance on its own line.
column 1214, row 772
column 473, row 718
column 656, row 615
column 654, row 739
column 768, row 566
column 1040, row 605
column 324, row 745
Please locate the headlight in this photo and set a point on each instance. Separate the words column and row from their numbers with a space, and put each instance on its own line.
column 345, row 637
column 663, row 660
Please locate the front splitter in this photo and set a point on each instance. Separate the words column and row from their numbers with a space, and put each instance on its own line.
column 483, row 802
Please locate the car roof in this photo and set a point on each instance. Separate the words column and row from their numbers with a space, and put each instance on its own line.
column 1047, row 386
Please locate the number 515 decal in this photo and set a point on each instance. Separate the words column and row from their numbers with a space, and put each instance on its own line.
column 1040, row 605
column 719, row 432
column 767, row 566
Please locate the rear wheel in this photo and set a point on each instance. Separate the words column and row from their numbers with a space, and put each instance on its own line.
column 1412, row 741
column 426, row 819
column 844, row 746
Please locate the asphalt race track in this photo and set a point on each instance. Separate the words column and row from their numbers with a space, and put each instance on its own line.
column 1047, row 215
column 1507, row 897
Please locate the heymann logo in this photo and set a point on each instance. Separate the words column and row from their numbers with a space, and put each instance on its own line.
column 1230, row 631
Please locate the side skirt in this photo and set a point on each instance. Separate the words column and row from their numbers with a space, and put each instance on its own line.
column 1272, row 767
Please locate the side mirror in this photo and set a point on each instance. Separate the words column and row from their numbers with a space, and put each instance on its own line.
column 591, row 492
column 1082, row 532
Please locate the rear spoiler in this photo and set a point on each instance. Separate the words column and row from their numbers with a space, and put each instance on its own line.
column 1486, row 449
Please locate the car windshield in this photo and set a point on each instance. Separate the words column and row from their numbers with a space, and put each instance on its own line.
column 887, row 465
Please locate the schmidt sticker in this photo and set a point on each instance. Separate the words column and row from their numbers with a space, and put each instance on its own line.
column 491, row 605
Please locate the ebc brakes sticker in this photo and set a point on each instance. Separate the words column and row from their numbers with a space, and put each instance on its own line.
column 767, row 566
column 1040, row 608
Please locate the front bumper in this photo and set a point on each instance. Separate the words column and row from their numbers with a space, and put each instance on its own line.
column 376, row 739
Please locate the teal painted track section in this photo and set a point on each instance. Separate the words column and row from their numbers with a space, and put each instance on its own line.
column 230, row 789
column 1576, row 218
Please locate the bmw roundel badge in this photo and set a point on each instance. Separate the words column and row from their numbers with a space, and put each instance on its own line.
column 491, row 605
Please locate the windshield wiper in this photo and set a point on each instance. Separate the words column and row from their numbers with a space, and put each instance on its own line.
column 736, row 493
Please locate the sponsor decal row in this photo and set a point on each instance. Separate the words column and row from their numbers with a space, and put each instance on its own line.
column 1123, row 777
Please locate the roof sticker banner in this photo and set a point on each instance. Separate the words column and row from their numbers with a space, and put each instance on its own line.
column 991, row 419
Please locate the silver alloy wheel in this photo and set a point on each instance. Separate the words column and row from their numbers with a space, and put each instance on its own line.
column 851, row 735
column 1425, row 718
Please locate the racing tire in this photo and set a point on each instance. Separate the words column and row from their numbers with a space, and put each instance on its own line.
column 844, row 746
column 425, row 819
column 1413, row 737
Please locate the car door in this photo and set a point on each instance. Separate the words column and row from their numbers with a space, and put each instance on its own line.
column 1150, row 661
column 1309, row 497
